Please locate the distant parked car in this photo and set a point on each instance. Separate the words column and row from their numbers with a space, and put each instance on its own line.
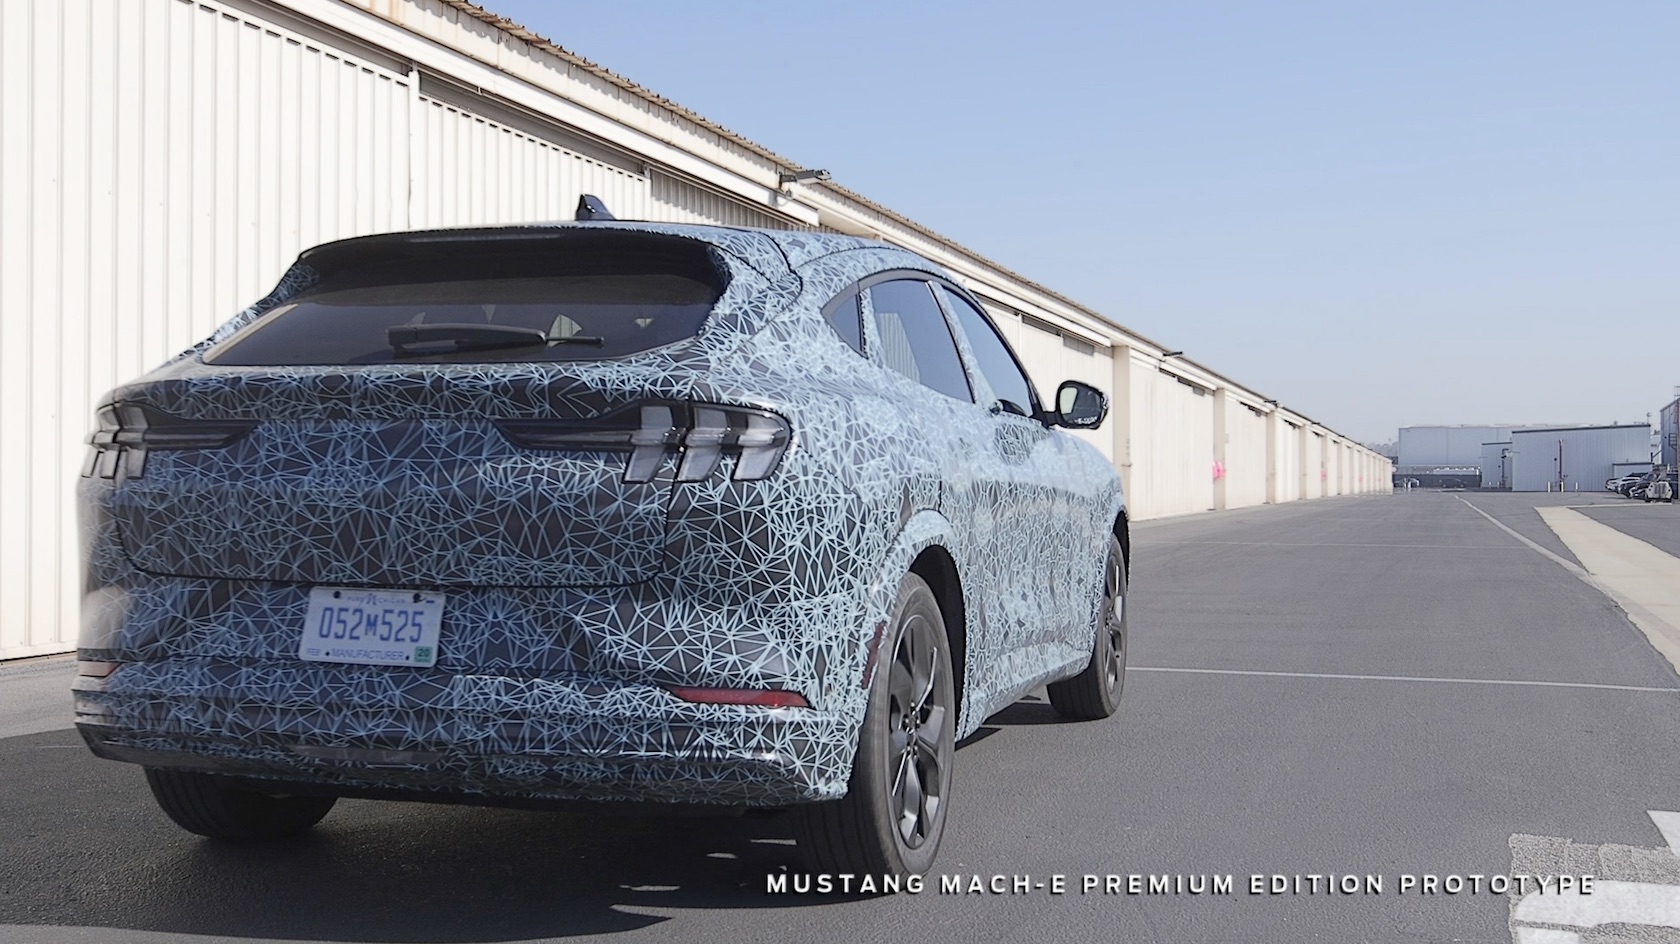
column 597, row 511
column 1664, row 487
column 1620, row 483
column 1641, row 489
column 1629, row 483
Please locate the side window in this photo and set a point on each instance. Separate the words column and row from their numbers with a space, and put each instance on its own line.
column 915, row 340
column 843, row 314
column 991, row 352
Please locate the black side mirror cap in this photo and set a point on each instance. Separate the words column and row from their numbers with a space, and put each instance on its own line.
column 1079, row 406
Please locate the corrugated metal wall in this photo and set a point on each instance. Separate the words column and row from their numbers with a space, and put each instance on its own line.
column 1288, row 453
column 1313, row 465
column 164, row 160
column 1589, row 456
column 1246, row 470
column 163, row 163
column 1172, row 425
column 471, row 171
column 172, row 159
column 677, row 201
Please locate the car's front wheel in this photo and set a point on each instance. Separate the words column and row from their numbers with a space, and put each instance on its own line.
column 893, row 815
column 210, row 806
column 1095, row 692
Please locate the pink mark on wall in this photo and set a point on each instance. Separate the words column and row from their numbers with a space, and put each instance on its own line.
column 1218, row 469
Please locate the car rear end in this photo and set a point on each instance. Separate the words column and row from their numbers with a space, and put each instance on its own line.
column 477, row 515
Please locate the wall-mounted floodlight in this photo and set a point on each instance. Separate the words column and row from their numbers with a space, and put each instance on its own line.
column 1271, row 403
column 804, row 175
column 1166, row 354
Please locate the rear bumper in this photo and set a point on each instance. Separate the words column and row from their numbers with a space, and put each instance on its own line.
column 536, row 694
column 462, row 737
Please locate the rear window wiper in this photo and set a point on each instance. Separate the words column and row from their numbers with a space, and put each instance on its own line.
column 476, row 337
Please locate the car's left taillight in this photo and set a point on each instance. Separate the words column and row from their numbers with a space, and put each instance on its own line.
column 127, row 431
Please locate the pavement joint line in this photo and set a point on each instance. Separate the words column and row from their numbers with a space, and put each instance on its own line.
column 1405, row 678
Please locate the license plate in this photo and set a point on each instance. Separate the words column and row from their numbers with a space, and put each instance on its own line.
column 371, row 627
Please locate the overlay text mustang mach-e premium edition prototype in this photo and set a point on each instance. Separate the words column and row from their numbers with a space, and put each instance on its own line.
column 599, row 511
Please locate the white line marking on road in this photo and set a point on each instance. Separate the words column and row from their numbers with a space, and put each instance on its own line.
column 1563, row 562
column 1403, row 678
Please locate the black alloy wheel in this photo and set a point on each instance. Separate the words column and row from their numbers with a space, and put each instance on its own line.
column 893, row 815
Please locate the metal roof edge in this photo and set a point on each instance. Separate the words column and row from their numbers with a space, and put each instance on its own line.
column 1581, row 429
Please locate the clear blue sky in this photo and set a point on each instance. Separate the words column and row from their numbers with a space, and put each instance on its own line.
column 1382, row 215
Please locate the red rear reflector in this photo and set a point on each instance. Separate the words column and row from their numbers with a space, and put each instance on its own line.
column 96, row 669
column 763, row 698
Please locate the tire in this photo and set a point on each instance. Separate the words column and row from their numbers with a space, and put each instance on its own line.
column 1094, row 694
column 206, row 805
column 893, row 815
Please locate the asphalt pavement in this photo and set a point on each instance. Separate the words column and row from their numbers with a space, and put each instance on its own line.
column 1377, row 688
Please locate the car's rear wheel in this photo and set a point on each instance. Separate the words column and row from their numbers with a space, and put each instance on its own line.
column 1095, row 692
column 892, row 817
column 210, row 806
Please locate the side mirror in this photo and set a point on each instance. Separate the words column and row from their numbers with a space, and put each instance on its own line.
column 1079, row 406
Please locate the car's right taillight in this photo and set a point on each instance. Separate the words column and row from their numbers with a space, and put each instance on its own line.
column 696, row 435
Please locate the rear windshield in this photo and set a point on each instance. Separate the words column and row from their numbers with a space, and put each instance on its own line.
column 486, row 301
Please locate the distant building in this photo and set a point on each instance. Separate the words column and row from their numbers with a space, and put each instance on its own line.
column 1574, row 457
column 1424, row 449
column 1496, row 464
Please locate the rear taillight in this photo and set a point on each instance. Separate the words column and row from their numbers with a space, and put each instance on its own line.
column 127, row 431
column 696, row 435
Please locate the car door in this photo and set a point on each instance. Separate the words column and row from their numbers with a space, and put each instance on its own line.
column 908, row 334
column 1048, row 530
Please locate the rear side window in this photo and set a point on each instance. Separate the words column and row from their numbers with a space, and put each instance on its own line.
column 915, row 340
column 596, row 297
column 842, row 314
column 992, row 356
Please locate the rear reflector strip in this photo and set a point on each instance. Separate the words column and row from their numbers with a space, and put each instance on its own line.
column 88, row 669
column 762, row 698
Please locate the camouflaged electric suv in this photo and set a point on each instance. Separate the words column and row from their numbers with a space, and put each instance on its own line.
column 602, row 511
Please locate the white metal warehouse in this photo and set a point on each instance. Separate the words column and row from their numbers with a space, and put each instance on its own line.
column 164, row 160
column 1576, row 458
